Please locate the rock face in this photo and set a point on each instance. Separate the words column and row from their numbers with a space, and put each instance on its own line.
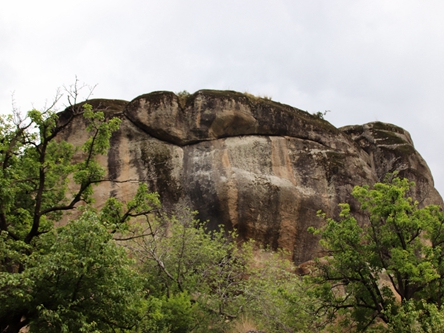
column 249, row 163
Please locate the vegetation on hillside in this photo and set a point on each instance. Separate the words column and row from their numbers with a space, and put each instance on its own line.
column 128, row 267
column 74, row 278
column 124, row 268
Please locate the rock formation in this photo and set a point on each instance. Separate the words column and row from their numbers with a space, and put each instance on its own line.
column 249, row 163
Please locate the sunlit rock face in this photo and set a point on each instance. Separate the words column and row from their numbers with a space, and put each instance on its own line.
column 249, row 163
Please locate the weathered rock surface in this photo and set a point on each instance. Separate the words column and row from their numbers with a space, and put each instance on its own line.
column 249, row 163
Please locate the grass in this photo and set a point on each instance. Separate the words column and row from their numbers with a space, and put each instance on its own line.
column 254, row 97
column 242, row 325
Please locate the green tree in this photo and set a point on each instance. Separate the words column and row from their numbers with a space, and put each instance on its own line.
column 202, row 281
column 195, row 275
column 81, row 280
column 389, row 266
column 277, row 299
column 55, row 280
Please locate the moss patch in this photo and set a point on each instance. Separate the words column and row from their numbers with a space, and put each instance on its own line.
column 406, row 150
column 333, row 163
column 222, row 94
column 388, row 138
column 183, row 98
column 355, row 130
column 158, row 160
column 155, row 98
column 388, row 127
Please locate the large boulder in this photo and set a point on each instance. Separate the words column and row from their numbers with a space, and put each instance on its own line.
column 249, row 163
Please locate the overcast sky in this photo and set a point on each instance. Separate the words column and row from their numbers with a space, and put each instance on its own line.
column 363, row 60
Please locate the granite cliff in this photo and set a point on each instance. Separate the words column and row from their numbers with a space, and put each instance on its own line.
column 249, row 163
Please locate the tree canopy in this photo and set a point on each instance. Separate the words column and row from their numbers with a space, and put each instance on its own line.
column 79, row 277
column 390, row 265
column 67, row 279
column 163, row 273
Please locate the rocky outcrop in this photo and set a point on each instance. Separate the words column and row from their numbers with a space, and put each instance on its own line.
column 249, row 163
column 391, row 148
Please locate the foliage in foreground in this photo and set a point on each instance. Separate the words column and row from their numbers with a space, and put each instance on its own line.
column 387, row 274
column 81, row 280
column 278, row 299
column 203, row 281
column 195, row 275
column 75, row 278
